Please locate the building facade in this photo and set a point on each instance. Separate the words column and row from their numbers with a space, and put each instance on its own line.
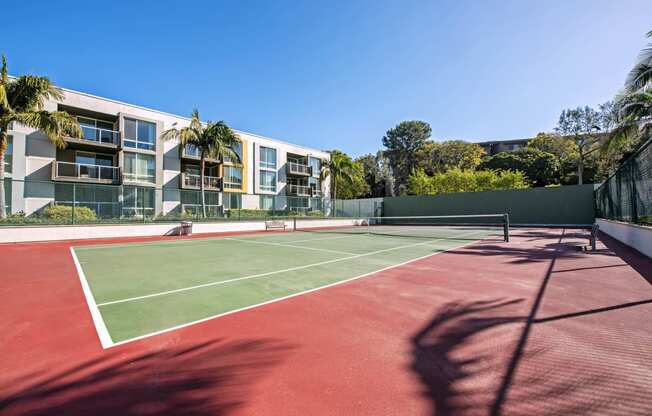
column 497, row 146
column 122, row 167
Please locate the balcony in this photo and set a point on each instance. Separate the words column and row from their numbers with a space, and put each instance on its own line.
column 298, row 190
column 298, row 169
column 97, row 136
column 81, row 172
column 192, row 153
column 192, row 181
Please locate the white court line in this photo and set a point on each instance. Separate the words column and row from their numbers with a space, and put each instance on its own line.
column 208, row 318
column 269, row 243
column 255, row 276
column 100, row 326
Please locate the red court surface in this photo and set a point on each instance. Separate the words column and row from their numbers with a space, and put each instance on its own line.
column 532, row 327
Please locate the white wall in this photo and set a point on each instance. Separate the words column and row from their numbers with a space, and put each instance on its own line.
column 638, row 237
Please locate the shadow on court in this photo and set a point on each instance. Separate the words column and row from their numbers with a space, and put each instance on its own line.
column 209, row 378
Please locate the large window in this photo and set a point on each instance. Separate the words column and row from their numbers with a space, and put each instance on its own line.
column 97, row 130
column 232, row 201
column 315, row 164
column 138, row 201
column 267, row 158
column 8, row 154
column 267, row 202
column 139, row 168
column 232, row 177
column 267, row 181
column 237, row 148
column 140, row 134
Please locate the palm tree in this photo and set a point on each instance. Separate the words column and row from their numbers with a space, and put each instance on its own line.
column 213, row 140
column 339, row 167
column 634, row 106
column 22, row 100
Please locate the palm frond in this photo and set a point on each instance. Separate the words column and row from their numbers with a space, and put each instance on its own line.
column 29, row 93
column 55, row 124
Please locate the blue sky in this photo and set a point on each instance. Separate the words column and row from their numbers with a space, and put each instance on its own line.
column 335, row 74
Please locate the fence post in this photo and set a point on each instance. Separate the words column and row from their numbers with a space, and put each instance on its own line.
column 634, row 198
column 142, row 202
column 74, row 202
column 506, row 227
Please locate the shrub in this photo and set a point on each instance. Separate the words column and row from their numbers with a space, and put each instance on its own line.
column 456, row 180
column 63, row 213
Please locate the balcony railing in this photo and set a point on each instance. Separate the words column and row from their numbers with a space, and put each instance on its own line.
column 85, row 172
column 193, row 181
column 294, row 168
column 101, row 136
column 298, row 190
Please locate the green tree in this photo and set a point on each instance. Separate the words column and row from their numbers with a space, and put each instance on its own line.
column 402, row 142
column 377, row 174
column 457, row 180
column 341, row 169
column 22, row 100
column 541, row 168
column 435, row 157
column 213, row 140
column 582, row 125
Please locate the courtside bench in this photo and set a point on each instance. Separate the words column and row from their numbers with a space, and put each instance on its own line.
column 275, row 224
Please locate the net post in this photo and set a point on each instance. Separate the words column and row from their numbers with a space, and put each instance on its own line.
column 506, row 227
column 74, row 201
column 294, row 223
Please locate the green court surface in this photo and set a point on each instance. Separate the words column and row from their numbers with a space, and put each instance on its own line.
column 139, row 289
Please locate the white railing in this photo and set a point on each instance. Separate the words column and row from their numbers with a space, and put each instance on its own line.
column 298, row 190
column 86, row 172
column 138, row 177
column 95, row 134
column 139, row 144
column 191, row 180
column 298, row 168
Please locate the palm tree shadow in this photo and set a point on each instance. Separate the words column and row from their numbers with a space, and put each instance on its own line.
column 210, row 378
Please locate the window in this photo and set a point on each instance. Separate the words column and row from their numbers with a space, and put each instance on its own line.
column 315, row 164
column 267, row 202
column 237, row 148
column 267, row 181
column 140, row 134
column 139, row 168
column 8, row 153
column 192, row 150
column 267, row 158
column 137, row 201
column 232, row 201
column 85, row 158
column 232, row 177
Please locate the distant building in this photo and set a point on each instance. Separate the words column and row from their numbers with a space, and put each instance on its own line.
column 496, row 146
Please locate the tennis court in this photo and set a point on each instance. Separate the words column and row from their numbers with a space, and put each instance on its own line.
column 136, row 290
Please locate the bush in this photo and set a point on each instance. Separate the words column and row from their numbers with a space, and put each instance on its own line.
column 456, row 180
column 63, row 213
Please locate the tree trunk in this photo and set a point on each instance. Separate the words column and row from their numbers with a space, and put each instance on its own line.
column 580, row 168
column 202, row 162
column 3, row 148
column 334, row 196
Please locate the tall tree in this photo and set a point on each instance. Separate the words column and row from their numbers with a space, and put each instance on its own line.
column 22, row 100
column 377, row 174
column 436, row 157
column 583, row 126
column 339, row 168
column 213, row 140
column 541, row 168
column 402, row 142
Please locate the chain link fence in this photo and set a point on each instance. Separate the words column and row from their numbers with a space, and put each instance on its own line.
column 627, row 194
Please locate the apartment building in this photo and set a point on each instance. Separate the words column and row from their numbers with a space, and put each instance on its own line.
column 496, row 146
column 122, row 167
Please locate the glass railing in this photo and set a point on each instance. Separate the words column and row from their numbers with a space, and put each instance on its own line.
column 94, row 134
column 298, row 190
column 191, row 180
column 139, row 144
column 190, row 150
column 138, row 177
column 85, row 172
column 298, row 168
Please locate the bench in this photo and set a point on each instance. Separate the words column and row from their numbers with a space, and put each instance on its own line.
column 272, row 224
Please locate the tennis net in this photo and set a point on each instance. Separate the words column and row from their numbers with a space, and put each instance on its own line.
column 469, row 227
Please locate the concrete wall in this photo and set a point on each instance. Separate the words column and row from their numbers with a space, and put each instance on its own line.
column 80, row 232
column 545, row 206
column 636, row 236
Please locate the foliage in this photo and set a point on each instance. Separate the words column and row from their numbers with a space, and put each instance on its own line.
column 582, row 124
column 63, row 213
column 213, row 140
column 378, row 175
column 541, row 168
column 347, row 176
column 457, row 180
column 434, row 157
column 560, row 146
column 22, row 100
column 402, row 142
